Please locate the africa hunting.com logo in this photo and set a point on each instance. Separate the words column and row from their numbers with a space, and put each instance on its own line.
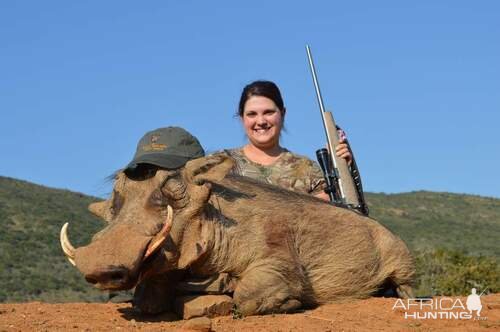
column 441, row 308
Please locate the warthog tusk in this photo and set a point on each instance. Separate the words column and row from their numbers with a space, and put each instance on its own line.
column 66, row 246
column 161, row 236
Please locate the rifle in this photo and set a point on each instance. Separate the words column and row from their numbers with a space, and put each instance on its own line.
column 343, row 185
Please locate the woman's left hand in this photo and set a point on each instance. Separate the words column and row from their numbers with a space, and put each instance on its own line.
column 342, row 151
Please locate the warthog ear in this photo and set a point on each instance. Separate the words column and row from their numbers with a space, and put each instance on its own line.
column 101, row 210
column 193, row 246
column 211, row 168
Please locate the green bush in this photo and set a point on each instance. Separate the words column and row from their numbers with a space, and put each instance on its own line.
column 453, row 272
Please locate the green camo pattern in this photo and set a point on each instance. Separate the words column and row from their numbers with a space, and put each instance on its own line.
column 290, row 171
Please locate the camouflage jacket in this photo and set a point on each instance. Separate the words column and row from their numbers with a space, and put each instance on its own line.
column 290, row 171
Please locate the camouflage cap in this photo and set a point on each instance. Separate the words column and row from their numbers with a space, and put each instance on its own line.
column 170, row 147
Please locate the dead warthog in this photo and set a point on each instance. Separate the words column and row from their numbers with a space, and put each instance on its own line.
column 285, row 250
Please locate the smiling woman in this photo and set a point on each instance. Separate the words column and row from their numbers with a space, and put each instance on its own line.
column 262, row 113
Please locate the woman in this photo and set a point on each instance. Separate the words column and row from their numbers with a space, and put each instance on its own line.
column 262, row 113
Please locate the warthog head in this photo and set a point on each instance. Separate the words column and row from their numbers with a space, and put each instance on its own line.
column 148, row 216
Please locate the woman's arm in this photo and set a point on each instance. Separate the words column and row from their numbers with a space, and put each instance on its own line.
column 323, row 196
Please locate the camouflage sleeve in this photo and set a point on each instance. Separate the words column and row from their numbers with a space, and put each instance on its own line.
column 317, row 180
column 236, row 170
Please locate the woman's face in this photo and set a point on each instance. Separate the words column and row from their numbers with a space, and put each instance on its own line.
column 262, row 121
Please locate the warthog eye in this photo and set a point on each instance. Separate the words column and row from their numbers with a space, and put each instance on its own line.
column 158, row 199
column 174, row 188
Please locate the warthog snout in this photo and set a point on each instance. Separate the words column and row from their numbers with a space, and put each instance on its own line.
column 116, row 260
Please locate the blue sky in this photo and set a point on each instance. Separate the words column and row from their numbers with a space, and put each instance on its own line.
column 416, row 85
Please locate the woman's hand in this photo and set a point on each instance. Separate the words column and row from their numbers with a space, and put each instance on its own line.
column 342, row 151
column 323, row 195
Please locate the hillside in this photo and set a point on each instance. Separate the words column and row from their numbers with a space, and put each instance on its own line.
column 33, row 267
column 426, row 220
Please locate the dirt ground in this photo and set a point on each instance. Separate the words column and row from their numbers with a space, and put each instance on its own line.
column 374, row 314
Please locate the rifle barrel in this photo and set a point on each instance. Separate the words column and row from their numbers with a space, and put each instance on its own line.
column 322, row 110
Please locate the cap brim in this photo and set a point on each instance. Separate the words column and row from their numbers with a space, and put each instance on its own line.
column 159, row 159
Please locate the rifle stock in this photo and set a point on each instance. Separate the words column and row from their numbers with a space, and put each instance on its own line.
column 346, row 183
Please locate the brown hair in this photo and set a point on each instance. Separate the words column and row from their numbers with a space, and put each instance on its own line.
column 264, row 89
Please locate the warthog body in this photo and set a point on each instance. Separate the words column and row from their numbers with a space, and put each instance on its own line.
column 286, row 250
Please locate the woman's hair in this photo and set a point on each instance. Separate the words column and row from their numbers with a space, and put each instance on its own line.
column 263, row 89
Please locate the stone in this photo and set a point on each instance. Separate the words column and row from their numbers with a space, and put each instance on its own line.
column 190, row 306
column 217, row 284
column 202, row 324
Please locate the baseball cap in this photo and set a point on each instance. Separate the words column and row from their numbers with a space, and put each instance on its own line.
column 170, row 148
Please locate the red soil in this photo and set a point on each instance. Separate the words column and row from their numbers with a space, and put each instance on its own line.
column 374, row 314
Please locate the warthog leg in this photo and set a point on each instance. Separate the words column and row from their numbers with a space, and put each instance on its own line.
column 269, row 287
column 157, row 294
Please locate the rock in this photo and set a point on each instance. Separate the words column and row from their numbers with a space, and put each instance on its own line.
column 190, row 306
column 217, row 284
column 198, row 324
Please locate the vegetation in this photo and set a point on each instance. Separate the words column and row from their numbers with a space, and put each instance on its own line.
column 429, row 220
column 32, row 266
column 454, row 238
column 452, row 272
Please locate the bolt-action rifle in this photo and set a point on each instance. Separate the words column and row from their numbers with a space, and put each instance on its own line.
column 343, row 183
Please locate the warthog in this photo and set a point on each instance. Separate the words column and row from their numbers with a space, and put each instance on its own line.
column 285, row 250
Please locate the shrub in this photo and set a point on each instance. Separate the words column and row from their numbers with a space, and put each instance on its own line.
column 453, row 272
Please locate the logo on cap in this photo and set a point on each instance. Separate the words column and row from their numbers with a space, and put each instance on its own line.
column 154, row 146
